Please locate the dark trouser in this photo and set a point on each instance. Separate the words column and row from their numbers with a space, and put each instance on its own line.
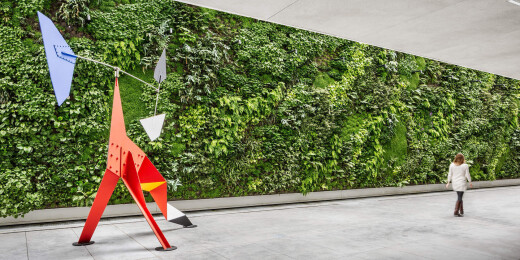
column 459, row 195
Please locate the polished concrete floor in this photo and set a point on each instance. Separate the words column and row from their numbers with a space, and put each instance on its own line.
column 396, row 227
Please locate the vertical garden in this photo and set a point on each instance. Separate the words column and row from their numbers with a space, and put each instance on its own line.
column 251, row 107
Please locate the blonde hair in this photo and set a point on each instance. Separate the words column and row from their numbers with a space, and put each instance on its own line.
column 459, row 159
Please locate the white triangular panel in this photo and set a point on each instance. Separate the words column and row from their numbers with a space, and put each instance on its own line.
column 172, row 212
column 153, row 125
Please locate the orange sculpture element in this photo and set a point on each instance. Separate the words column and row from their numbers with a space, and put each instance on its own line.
column 128, row 162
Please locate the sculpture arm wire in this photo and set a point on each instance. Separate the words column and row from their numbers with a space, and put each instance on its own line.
column 157, row 100
column 148, row 84
column 113, row 67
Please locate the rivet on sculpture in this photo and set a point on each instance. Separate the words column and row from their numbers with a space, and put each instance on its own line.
column 125, row 159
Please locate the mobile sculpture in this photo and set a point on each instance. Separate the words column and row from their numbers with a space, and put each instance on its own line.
column 125, row 159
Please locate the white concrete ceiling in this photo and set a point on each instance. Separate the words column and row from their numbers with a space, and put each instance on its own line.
column 478, row 34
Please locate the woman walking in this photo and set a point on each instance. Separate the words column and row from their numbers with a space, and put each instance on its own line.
column 459, row 172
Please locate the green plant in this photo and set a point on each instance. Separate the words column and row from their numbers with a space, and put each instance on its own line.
column 201, row 65
column 74, row 11
column 123, row 54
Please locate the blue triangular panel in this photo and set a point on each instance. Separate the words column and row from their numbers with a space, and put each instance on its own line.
column 61, row 67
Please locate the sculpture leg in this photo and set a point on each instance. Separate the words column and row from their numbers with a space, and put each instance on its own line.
column 107, row 186
column 159, row 195
column 131, row 181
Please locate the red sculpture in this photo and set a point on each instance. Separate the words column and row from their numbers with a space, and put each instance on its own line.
column 128, row 162
column 125, row 159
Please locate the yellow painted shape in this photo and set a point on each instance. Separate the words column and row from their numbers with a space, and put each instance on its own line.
column 151, row 185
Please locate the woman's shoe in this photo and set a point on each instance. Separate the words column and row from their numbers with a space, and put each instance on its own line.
column 461, row 210
column 457, row 208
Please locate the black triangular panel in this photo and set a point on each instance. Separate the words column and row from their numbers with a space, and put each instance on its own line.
column 183, row 221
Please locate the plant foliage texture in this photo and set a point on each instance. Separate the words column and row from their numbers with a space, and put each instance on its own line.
column 252, row 107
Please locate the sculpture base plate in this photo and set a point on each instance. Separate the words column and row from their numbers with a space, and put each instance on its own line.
column 167, row 249
column 190, row 226
column 83, row 244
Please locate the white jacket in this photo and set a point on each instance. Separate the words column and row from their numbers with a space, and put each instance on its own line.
column 458, row 175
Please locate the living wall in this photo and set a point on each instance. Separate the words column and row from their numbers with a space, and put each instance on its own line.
column 252, row 107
